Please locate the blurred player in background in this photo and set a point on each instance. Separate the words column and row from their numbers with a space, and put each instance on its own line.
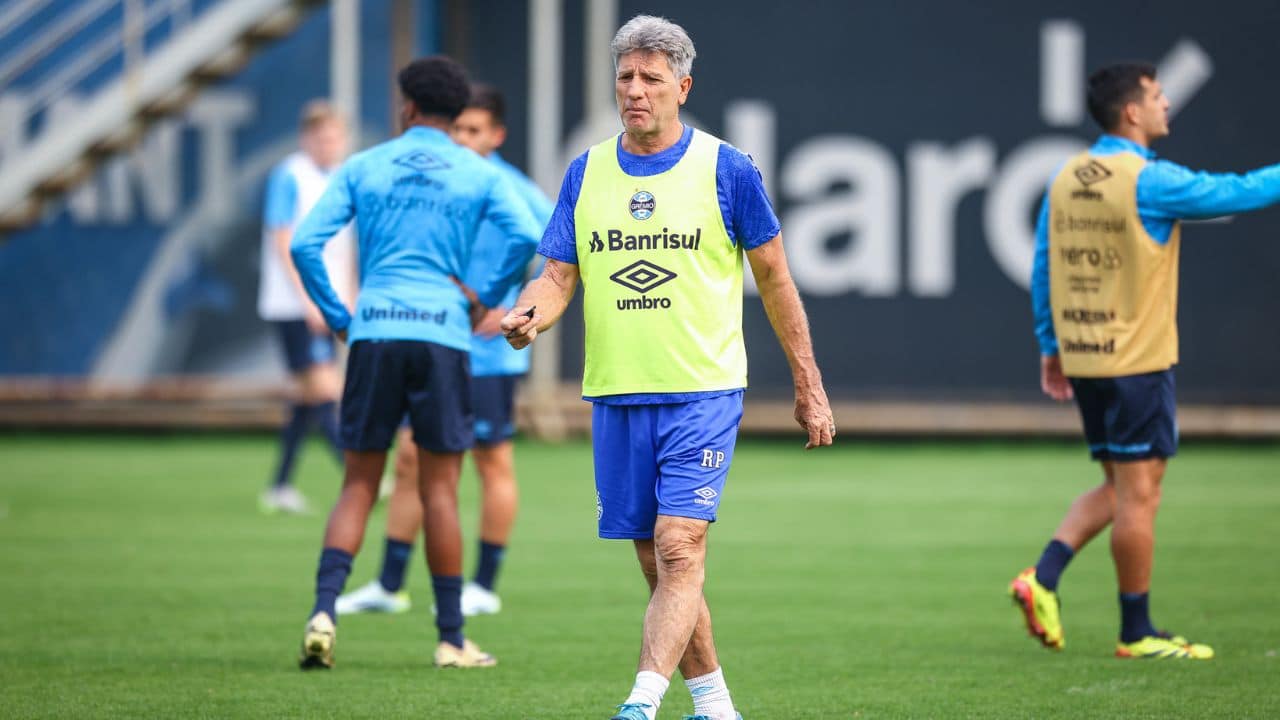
column 1105, row 292
column 655, row 221
column 292, row 189
column 495, row 367
column 417, row 202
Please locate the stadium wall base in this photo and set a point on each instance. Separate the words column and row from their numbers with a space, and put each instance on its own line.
column 196, row 403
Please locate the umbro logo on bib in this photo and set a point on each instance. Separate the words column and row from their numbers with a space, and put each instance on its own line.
column 642, row 205
column 642, row 276
column 1092, row 173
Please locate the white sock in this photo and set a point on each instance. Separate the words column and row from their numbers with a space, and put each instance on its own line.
column 648, row 690
column 711, row 696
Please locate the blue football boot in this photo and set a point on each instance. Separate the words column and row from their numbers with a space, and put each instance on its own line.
column 631, row 711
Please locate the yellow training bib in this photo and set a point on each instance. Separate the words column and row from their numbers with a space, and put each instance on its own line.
column 1112, row 287
column 662, row 281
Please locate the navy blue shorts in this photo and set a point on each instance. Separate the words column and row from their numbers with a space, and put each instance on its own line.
column 1133, row 417
column 653, row 460
column 388, row 378
column 493, row 398
column 302, row 349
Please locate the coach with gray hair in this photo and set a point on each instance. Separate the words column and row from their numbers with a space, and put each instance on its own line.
column 655, row 222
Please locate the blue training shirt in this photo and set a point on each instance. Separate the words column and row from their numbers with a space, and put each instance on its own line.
column 417, row 202
column 744, row 204
column 494, row 355
column 1167, row 192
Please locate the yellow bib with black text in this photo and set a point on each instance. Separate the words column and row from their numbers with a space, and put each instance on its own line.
column 1112, row 287
column 662, row 281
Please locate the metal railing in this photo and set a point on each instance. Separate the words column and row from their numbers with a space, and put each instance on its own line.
column 91, row 27
column 134, row 60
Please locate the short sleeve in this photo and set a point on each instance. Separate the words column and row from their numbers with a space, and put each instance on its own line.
column 559, row 240
column 748, row 214
column 282, row 199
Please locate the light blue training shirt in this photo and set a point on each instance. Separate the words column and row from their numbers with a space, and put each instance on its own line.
column 494, row 355
column 1167, row 193
column 418, row 202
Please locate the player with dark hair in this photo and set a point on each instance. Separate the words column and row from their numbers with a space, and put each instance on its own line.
column 495, row 367
column 417, row 202
column 292, row 189
column 1104, row 291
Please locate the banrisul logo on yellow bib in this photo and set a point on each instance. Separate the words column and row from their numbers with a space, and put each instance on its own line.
column 642, row 205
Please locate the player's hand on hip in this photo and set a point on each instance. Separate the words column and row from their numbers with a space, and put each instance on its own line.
column 1052, row 381
column 519, row 327
column 813, row 412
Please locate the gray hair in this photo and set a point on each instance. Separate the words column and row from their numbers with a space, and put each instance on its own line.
column 647, row 33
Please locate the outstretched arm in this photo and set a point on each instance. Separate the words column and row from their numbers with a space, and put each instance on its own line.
column 786, row 315
column 549, row 295
column 1176, row 193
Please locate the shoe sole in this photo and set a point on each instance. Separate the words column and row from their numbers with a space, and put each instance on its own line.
column 459, row 666
column 1183, row 653
column 370, row 609
column 1020, row 593
column 1125, row 655
column 490, row 661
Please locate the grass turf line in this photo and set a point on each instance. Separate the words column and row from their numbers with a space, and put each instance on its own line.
column 866, row 581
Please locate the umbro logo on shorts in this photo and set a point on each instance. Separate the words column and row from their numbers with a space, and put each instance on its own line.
column 705, row 495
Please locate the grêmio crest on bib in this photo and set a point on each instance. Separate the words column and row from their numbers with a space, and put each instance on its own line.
column 642, row 205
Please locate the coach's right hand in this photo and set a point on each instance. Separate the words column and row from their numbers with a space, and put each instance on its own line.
column 518, row 328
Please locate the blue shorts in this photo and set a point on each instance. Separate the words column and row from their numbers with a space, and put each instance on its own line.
column 1133, row 417
column 653, row 460
column 388, row 378
column 302, row 349
column 493, row 398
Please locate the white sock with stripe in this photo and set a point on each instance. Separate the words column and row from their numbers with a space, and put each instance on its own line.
column 648, row 690
column 711, row 696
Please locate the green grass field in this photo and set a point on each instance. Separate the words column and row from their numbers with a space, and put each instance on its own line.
column 866, row 581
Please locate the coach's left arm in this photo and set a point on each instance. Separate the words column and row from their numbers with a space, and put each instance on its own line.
column 786, row 314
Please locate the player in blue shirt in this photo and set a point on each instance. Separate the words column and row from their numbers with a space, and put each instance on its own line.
column 417, row 202
column 495, row 367
column 1121, row 280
